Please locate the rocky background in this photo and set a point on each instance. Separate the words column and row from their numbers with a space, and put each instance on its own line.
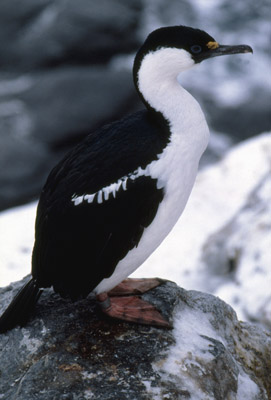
column 65, row 69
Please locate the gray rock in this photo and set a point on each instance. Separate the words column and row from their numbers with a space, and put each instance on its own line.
column 67, row 103
column 70, row 351
column 19, row 181
column 46, row 33
column 240, row 122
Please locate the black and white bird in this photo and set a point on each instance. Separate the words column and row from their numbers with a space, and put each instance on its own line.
column 113, row 199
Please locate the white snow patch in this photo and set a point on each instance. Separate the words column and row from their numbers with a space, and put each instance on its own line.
column 190, row 352
column 252, row 242
column 247, row 389
column 189, row 340
column 16, row 238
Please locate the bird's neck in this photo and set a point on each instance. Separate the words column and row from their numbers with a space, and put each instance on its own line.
column 157, row 84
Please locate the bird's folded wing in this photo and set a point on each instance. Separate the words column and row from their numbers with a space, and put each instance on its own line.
column 81, row 243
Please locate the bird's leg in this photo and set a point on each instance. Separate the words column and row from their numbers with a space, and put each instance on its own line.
column 116, row 303
column 135, row 286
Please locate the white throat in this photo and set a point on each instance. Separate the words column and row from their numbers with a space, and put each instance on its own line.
column 157, row 77
column 157, row 81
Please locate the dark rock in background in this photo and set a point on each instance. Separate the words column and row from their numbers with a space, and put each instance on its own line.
column 66, row 102
column 23, row 167
column 250, row 118
column 45, row 33
column 70, row 351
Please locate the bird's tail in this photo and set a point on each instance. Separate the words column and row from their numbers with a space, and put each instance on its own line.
column 21, row 306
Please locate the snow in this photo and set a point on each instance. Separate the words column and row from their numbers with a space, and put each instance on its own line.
column 251, row 241
column 221, row 190
column 16, row 238
column 247, row 389
column 190, row 342
column 189, row 359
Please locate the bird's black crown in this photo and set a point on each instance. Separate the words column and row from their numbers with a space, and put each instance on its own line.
column 195, row 41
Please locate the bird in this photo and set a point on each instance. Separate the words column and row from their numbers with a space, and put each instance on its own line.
column 111, row 201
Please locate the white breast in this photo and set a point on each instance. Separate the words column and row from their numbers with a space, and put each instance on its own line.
column 177, row 165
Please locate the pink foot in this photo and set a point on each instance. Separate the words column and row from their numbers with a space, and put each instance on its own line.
column 132, row 308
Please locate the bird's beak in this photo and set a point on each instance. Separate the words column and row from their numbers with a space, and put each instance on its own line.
column 222, row 50
column 215, row 49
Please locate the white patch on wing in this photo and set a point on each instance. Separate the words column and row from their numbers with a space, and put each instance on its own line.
column 104, row 193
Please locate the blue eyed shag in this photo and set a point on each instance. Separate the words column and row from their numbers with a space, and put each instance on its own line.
column 113, row 199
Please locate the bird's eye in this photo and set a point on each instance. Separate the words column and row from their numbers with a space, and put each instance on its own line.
column 196, row 49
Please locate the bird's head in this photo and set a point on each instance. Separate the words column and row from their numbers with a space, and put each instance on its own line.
column 170, row 50
column 193, row 45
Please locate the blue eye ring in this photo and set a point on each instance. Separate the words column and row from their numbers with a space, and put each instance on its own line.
column 196, row 49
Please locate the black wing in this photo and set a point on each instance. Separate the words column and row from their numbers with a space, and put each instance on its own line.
column 78, row 245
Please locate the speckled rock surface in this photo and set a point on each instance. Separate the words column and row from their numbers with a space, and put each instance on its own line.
column 70, row 351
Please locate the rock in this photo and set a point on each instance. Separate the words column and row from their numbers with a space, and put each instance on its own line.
column 239, row 256
column 45, row 33
column 70, row 351
column 243, row 121
column 68, row 103
column 19, row 181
